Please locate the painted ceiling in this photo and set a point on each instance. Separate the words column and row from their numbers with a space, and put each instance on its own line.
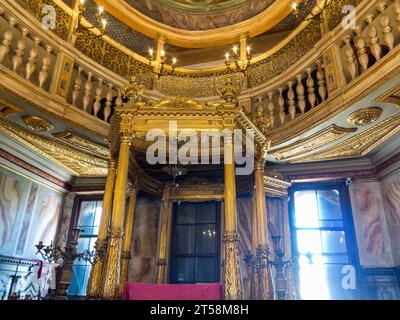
column 200, row 14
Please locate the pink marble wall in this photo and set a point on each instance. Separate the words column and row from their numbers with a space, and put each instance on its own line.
column 370, row 220
column 142, row 267
column 29, row 212
column 391, row 199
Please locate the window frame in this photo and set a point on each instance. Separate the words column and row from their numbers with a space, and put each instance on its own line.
column 216, row 255
column 74, row 223
column 348, row 227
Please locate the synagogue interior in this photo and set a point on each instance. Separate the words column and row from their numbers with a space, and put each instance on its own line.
column 200, row 150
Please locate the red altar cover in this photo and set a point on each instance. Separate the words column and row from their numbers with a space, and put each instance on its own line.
column 146, row 291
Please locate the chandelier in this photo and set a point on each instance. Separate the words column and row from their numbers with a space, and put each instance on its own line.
column 158, row 66
column 100, row 20
column 234, row 62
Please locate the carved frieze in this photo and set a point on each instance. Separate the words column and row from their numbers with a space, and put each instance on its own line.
column 307, row 145
column 359, row 145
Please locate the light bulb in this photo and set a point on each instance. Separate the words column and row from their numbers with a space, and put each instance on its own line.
column 101, row 9
column 294, row 5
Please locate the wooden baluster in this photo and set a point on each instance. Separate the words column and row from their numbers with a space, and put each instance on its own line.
column 300, row 94
column 386, row 28
column 396, row 9
column 350, row 58
column 271, row 109
column 312, row 97
column 118, row 101
column 321, row 81
column 77, row 87
column 88, row 91
column 291, row 98
column 18, row 58
column 361, row 46
column 109, row 97
column 46, row 62
column 99, row 92
column 281, row 104
column 7, row 40
column 33, row 54
column 374, row 44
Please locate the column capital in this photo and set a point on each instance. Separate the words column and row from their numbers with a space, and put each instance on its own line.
column 126, row 255
column 115, row 234
column 231, row 237
column 161, row 262
column 126, row 137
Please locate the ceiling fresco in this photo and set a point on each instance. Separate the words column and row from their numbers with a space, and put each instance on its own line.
column 200, row 14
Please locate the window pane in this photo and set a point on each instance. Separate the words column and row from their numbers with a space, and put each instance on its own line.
column 185, row 269
column 87, row 213
column 335, row 280
column 206, row 212
column 333, row 241
column 309, row 241
column 205, row 242
column 336, row 258
column 185, row 239
column 83, row 244
column 313, row 283
column 329, row 205
column 205, row 270
column 306, row 209
column 186, row 213
column 331, row 223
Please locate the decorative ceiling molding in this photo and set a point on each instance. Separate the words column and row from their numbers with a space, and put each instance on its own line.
column 359, row 145
column 391, row 96
column 7, row 108
column 76, row 161
column 84, row 143
column 37, row 124
column 365, row 116
column 312, row 143
column 254, row 26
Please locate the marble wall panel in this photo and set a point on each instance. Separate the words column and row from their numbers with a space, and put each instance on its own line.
column 391, row 199
column 142, row 267
column 369, row 216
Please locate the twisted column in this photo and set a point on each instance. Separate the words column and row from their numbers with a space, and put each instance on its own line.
column 95, row 280
column 112, row 268
column 162, row 248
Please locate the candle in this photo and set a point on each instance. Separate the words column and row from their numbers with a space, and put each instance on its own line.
column 101, row 10
column 82, row 1
column 174, row 60
column 248, row 49
column 235, row 49
column 151, row 52
column 227, row 56
column 294, row 6
column 104, row 21
column 162, row 53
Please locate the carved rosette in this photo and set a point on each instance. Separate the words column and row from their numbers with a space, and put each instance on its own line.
column 233, row 279
column 37, row 124
column 365, row 116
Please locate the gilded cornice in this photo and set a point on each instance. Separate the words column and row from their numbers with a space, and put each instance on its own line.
column 310, row 144
column 7, row 108
column 359, row 145
column 74, row 160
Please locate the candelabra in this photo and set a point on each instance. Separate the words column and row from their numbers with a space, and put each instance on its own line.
column 262, row 260
column 234, row 63
column 52, row 254
column 102, row 23
column 159, row 66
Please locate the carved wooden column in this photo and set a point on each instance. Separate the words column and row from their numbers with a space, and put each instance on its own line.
column 162, row 248
column 95, row 280
column 233, row 278
column 288, row 249
column 254, row 243
column 265, row 281
column 112, row 267
column 126, row 248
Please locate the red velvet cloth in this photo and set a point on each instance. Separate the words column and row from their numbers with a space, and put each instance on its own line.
column 146, row 291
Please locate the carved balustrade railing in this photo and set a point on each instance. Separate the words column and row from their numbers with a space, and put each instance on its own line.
column 300, row 76
column 347, row 54
column 54, row 66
